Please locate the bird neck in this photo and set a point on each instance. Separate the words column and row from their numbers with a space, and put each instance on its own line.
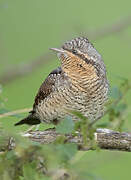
column 77, row 68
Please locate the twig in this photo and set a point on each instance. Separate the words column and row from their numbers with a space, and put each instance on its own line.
column 15, row 112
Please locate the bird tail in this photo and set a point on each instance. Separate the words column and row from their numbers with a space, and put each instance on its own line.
column 30, row 120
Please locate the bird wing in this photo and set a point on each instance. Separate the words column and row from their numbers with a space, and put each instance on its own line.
column 47, row 86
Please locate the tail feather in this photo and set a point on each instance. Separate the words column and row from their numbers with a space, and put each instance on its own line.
column 30, row 120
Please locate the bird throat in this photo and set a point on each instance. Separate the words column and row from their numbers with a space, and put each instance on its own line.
column 76, row 67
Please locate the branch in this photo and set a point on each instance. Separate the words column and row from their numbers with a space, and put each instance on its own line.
column 15, row 112
column 108, row 30
column 104, row 138
column 22, row 70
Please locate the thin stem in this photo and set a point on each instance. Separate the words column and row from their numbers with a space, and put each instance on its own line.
column 15, row 112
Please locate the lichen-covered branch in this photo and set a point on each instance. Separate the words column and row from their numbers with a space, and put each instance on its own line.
column 104, row 138
column 113, row 140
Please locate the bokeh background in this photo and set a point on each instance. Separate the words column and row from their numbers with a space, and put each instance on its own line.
column 28, row 28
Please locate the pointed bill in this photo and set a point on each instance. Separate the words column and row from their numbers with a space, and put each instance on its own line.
column 57, row 50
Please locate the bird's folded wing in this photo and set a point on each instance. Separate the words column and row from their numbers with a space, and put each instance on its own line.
column 47, row 86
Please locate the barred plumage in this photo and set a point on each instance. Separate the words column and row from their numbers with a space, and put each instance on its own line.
column 80, row 84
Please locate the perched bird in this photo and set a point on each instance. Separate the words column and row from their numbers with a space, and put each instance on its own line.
column 80, row 84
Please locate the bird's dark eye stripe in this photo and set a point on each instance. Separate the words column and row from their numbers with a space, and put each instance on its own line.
column 87, row 61
column 74, row 51
column 84, row 58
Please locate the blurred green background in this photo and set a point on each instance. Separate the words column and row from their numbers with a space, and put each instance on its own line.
column 28, row 28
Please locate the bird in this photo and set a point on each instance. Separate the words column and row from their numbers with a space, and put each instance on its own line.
column 80, row 84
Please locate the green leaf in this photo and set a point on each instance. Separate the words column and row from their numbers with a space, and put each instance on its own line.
column 21, row 178
column 120, row 108
column 79, row 115
column 28, row 172
column 66, row 151
column 10, row 155
column 66, row 126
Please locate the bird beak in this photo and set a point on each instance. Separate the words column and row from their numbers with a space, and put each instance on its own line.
column 58, row 50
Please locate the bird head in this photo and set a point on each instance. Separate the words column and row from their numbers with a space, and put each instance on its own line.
column 80, row 51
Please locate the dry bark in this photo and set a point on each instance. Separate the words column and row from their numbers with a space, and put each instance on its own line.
column 104, row 138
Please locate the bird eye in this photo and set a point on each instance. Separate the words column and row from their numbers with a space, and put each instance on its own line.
column 74, row 51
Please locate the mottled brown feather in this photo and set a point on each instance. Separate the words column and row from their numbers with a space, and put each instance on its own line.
column 47, row 86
